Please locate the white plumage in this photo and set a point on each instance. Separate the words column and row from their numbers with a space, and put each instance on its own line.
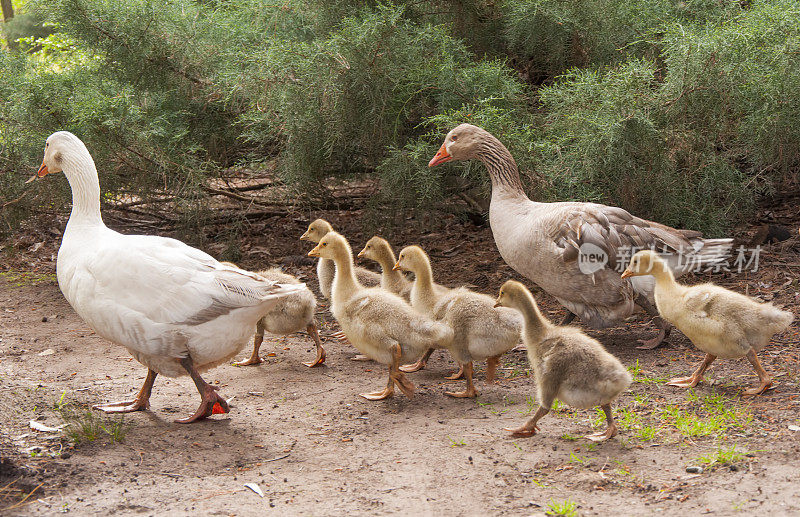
column 174, row 307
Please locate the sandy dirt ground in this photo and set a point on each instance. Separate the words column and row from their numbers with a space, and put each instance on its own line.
column 315, row 448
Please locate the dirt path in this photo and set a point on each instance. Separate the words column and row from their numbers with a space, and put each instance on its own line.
column 315, row 448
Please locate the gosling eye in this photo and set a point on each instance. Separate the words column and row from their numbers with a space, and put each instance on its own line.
column 324, row 244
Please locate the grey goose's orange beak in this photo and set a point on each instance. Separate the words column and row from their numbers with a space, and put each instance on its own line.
column 314, row 252
column 441, row 156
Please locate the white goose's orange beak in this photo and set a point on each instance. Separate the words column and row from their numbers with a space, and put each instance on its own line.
column 41, row 173
column 397, row 266
column 627, row 273
column 440, row 157
column 314, row 252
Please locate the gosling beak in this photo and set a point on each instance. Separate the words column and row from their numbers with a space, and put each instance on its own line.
column 41, row 173
column 304, row 237
column 361, row 254
column 440, row 157
column 397, row 267
column 314, row 252
column 627, row 273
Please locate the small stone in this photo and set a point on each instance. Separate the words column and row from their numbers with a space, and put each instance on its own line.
column 694, row 469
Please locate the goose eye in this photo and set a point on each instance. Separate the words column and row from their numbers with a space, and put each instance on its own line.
column 454, row 138
column 324, row 244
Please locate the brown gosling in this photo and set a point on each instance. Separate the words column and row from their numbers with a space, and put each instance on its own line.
column 567, row 364
column 291, row 314
column 720, row 322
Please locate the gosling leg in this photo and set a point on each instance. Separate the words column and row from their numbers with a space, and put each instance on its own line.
column 257, row 340
column 530, row 427
column 419, row 365
column 691, row 381
column 611, row 428
column 764, row 378
column 470, row 391
column 320, row 360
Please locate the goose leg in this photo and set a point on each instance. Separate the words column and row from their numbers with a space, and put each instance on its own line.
column 142, row 400
column 664, row 328
column 611, row 429
column 257, row 340
column 320, row 360
column 763, row 376
column 491, row 368
column 419, row 365
column 211, row 402
column 530, row 427
column 470, row 392
column 396, row 374
column 691, row 381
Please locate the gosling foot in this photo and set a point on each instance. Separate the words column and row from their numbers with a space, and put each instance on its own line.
column 470, row 392
column 684, row 382
column 319, row 361
column 413, row 367
column 405, row 385
column 610, row 431
column 458, row 375
column 250, row 362
column 379, row 395
column 522, row 432
column 762, row 388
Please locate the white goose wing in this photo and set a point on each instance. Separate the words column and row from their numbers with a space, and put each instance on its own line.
column 144, row 291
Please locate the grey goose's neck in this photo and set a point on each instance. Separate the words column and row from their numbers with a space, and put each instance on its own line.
column 501, row 166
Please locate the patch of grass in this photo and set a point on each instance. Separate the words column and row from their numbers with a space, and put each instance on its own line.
column 570, row 437
column 722, row 457
column 531, row 405
column 566, row 508
column 638, row 375
column 26, row 278
column 456, row 442
column 712, row 415
column 86, row 426
column 574, row 458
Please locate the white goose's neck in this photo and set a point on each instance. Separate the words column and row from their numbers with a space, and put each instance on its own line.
column 81, row 173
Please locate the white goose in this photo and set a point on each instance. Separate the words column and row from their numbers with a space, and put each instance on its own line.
column 542, row 241
column 175, row 308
